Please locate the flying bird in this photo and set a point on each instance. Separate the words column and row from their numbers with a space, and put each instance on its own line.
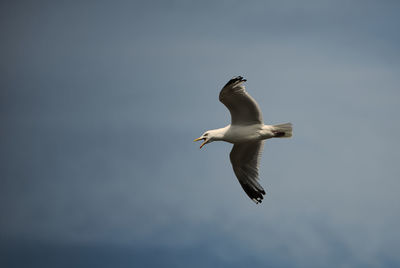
column 247, row 133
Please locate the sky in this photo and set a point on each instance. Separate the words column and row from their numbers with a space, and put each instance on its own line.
column 100, row 102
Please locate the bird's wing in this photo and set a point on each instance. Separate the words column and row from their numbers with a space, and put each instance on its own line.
column 243, row 108
column 245, row 158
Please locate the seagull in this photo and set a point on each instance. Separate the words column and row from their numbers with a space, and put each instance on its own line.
column 247, row 133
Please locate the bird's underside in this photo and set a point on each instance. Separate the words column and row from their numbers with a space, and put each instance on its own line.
column 248, row 129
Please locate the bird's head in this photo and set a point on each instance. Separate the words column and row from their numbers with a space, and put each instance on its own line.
column 207, row 137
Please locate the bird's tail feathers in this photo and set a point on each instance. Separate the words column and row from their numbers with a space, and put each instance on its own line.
column 282, row 130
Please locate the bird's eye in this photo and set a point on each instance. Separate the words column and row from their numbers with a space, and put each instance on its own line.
column 205, row 134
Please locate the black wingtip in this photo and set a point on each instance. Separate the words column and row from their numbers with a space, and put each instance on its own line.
column 235, row 79
column 257, row 195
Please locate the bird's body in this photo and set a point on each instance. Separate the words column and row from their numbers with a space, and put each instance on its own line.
column 240, row 134
column 247, row 132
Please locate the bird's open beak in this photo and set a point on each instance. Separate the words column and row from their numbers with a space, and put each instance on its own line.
column 201, row 138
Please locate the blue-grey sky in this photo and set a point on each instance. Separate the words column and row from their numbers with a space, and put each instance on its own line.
column 100, row 102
